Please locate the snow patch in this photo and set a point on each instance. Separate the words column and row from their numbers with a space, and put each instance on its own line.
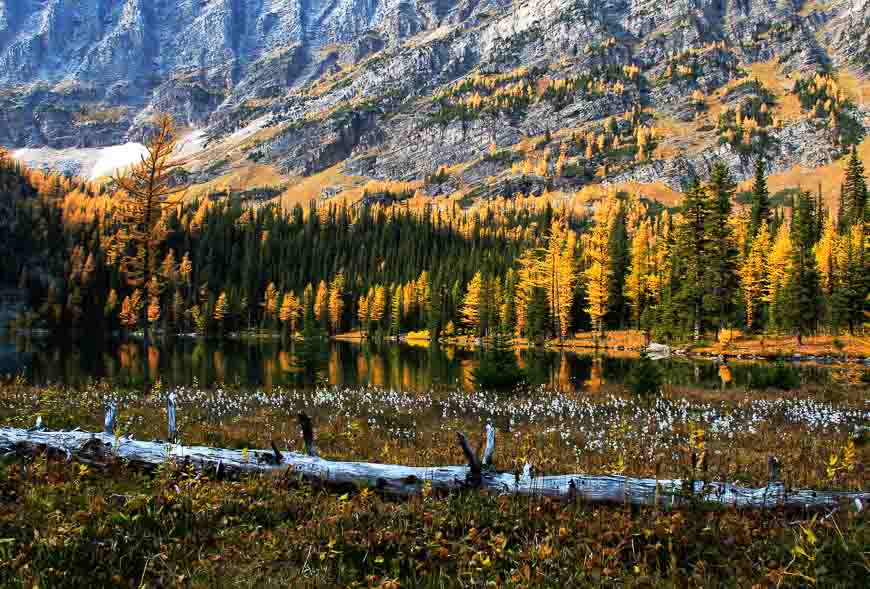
column 116, row 157
column 191, row 144
column 91, row 162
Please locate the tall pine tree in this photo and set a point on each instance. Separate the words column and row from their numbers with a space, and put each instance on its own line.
column 720, row 252
column 760, row 198
column 853, row 193
column 802, row 295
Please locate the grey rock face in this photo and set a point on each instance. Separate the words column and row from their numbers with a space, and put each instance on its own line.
column 86, row 73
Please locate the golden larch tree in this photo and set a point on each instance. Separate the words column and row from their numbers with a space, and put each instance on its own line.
column 638, row 281
column 321, row 302
column 145, row 192
column 153, row 313
column 531, row 275
column 753, row 274
column 377, row 304
column 169, row 268
column 290, row 311
column 336, row 302
column 271, row 300
column 561, row 275
column 473, row 302
column 185, row 269
column 363, row 310
column 826, row 255
column 778, row 269
column 131, row 310
column 599, row 271
column 221, row 310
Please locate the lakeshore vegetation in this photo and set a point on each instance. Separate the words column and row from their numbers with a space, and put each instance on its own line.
column 133, row 255
column 106, row 524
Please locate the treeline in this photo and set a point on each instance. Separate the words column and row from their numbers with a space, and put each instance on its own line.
column 535, row 272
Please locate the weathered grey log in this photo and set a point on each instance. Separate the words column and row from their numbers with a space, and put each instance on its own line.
column 407, row 480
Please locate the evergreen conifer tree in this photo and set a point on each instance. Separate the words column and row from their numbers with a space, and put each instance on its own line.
column 760, row 198
column 719, row 251
column 802, row 293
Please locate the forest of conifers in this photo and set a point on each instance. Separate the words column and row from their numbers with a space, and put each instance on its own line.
column 719, row 260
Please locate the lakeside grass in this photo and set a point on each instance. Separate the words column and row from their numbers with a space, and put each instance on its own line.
column 606, row 432
column 73, row 525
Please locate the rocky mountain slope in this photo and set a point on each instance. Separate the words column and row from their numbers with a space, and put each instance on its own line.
column 468, row 97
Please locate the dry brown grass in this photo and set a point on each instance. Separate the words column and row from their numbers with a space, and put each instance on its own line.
column 632, row 340
column 254, row 103
column 782, row 344
column 303, row 190
column 657, row 191
column 769, row 73
column 629, row 338
column 829, row 177
column 239, row 178
column 350, row 336
column 856, row 89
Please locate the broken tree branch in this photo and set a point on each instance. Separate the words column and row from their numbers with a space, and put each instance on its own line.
column 278, row 456
column 473, row 462
column 307, row 434
column 109, row 422
column 170, row 415
column 490, row 446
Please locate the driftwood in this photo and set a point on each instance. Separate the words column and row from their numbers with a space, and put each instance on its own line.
column 97, row 448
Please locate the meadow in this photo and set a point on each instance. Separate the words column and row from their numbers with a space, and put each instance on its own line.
column 65, row 524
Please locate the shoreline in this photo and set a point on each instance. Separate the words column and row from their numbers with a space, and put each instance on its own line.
column 853, row 350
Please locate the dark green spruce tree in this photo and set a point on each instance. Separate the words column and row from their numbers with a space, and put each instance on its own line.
column 853, row 193
column 690, row 248
column 802, row 295
column 720, row 253
column 760, row 198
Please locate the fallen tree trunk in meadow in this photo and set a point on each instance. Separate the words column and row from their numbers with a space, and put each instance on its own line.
column 100, row 448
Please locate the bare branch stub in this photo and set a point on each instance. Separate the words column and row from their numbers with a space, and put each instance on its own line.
column 170, row 415
column 773, row 469
column 307, row 434
column 490, row 446
column 470, row 456
column 109, row 422
column 278, row 456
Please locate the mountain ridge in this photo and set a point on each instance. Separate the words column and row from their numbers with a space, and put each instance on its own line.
column 303, row 86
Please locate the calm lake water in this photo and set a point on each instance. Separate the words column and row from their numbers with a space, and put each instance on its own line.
column 390, row 365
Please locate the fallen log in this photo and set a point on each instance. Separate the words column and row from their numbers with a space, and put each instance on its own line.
column 410, row 480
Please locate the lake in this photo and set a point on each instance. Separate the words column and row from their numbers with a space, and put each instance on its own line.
column 391, row 365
